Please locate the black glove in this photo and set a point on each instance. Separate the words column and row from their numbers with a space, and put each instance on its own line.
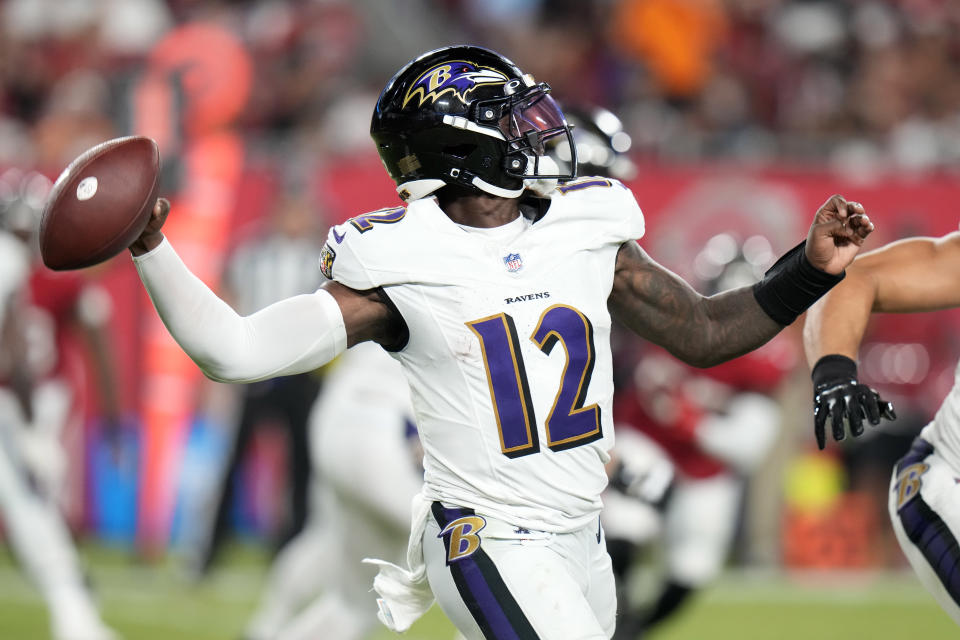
column 837, row 395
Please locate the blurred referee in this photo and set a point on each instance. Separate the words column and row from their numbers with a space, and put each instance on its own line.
column 268, row 268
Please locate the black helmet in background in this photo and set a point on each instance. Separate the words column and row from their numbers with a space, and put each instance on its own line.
column 602, row 145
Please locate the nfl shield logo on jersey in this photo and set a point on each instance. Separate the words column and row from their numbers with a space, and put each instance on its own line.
column 513, row 262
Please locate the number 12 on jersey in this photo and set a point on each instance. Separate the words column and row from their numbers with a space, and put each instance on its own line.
column 570, row 424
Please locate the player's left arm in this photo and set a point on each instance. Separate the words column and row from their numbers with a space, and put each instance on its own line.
column 704, row 331
column 661, row 307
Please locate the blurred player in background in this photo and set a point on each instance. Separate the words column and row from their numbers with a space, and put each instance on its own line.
column 713, row 427
column 603, row 147
column 35, row 403
column 907, row 276
column 506, row 533
column 367, row 469
column 272, row 266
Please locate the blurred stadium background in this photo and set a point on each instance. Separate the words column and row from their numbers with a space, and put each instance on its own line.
column 744, row 115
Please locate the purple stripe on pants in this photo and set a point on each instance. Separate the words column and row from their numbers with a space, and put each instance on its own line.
column 927, row 531
column 482, row 588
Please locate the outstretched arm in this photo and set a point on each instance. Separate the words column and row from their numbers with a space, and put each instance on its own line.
column 705, row 331
column 291, row 336
column 911, row 275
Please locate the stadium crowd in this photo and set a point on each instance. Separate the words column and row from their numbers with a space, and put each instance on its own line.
column 872, row 81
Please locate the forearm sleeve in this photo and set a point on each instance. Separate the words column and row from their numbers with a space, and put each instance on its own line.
column 291, row 336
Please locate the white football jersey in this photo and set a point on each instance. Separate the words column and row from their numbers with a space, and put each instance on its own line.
column 508, row 356
column 944, row 432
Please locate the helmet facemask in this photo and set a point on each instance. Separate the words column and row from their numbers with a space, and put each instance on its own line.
column 527, row 117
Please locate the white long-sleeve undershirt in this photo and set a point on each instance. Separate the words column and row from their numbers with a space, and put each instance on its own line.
column 294, row 335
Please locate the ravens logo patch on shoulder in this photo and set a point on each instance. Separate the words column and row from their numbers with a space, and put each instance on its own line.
column 327, row 256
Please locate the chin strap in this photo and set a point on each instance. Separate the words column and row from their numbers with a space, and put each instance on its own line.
column 416, row 189
column 493, row 189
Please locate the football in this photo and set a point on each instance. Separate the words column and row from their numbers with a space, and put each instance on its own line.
column 100, row 203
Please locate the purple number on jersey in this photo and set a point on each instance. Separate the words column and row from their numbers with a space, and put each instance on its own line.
column 569, row 424
column 365, row 222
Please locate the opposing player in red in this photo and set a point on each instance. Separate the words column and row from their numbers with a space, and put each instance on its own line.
column 36, row 399
column 474, row 286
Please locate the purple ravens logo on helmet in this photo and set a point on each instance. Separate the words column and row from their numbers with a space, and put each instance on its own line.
column 458, row 77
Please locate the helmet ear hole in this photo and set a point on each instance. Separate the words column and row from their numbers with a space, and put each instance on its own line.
column 515, row 163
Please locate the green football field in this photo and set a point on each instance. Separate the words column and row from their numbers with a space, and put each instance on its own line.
column 154, row 602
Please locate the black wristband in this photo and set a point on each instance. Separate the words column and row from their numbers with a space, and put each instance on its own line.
column 791, row 285
column 832, row 368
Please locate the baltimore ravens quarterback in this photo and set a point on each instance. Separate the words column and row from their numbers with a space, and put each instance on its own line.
column 494, row 288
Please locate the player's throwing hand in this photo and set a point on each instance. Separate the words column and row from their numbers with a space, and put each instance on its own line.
column 151, row 235
column 837, row 232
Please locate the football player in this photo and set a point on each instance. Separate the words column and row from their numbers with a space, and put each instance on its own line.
column 34, row 403
column 906, row 276
column 362, row 509
column 473, row 285
column 366, row 466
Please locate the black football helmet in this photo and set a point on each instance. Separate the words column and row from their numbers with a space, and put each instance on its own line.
column 465, row 115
